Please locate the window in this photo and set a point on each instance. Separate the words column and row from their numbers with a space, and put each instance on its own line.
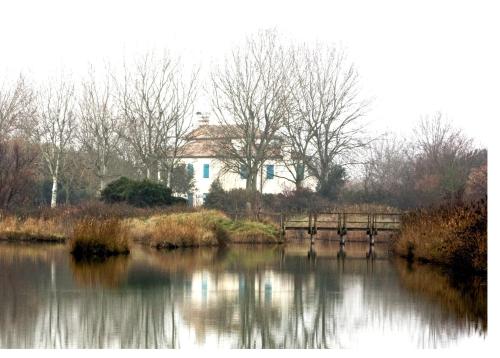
column 190, row 199
column 190, row 169
column 206, row 170
column 204, row 197
column 270, row 171
column 243, row 172
column 300, row 171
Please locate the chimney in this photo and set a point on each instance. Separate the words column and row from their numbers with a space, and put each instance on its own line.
column 204, row 118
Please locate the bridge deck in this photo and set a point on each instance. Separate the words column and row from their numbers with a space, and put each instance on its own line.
column 342, row 223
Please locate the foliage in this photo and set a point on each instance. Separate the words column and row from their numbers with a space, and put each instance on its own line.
column 330, row 187
column 227, row 201
column 138, row 193
column 293, row 200
column 182, row 180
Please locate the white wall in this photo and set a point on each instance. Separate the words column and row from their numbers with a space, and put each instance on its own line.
column 233, row 181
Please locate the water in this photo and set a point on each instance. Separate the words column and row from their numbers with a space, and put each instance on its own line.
column 241, row 297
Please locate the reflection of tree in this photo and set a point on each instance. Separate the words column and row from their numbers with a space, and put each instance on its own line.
column 463, row 298
column 258, row 299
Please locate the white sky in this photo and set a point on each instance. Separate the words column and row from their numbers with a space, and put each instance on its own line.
column 414, row 58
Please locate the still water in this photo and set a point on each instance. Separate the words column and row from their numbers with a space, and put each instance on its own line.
column 238, row 297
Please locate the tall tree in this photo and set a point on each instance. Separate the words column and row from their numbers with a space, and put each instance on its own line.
column 156, row 103
column 100, row 127
column 17, row 108
column 325, row 127
column 56, row 128
column 250, row 99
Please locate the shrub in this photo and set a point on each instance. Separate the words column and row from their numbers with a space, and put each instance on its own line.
column 227, row 201
column 294, row 200
column 139, row 193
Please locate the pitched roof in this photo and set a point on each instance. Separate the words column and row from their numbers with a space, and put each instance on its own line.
column 201, row 141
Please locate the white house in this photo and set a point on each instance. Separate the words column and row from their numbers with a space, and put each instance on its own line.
column 200, row 157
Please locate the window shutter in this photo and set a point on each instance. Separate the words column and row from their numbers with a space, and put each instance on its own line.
column 270, row 172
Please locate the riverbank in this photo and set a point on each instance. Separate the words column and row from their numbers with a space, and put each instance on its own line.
column 108, row 230
column 453, row 236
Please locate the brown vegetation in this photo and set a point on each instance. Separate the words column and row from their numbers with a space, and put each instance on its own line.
column 454, row 235
column 97, row 229
column 18, row 164
column 33, row 229
column 201, row 228
column 99, row 238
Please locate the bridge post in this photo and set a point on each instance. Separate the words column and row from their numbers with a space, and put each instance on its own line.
column 282, row 227
column 343, row 229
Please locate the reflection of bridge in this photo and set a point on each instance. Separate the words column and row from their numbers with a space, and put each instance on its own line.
column 342, row 223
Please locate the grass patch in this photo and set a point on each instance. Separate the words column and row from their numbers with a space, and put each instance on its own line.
column 246, row 231
column 202, row 228
column 99, row 238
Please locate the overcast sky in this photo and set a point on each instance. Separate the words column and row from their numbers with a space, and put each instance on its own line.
column 414, row 58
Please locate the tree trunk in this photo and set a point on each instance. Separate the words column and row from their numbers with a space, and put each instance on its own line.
column 53, row 200
column 102, row 180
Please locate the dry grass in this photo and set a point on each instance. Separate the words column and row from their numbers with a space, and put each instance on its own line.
column 201, row 228
column 99, row 237
column 33, row 229
column 453, row 235
column 100, row 229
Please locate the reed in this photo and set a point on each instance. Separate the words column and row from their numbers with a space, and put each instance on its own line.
column 99, row 238
column 13, row 228
column 454, row 235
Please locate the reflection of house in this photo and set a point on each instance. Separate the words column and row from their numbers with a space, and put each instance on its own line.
column 269, row 287
column 201, row 158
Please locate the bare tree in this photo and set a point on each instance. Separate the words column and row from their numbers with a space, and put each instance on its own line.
column 56, row 128
column 18, row 161
column 250, row 99
column 100, row 127
column 389, row 172
column 324, row 127
column 443, row 160
column 156, row 104
column 17, row 108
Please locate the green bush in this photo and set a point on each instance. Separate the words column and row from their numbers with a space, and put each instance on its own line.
column 139, row 193
column 227, row 201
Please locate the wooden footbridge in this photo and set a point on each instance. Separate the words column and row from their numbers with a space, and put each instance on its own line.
column 341, row 223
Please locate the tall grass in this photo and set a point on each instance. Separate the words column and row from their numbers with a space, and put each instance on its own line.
column 33, row 229
column 201, row 228
column 454, row 235
column 99, row 238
